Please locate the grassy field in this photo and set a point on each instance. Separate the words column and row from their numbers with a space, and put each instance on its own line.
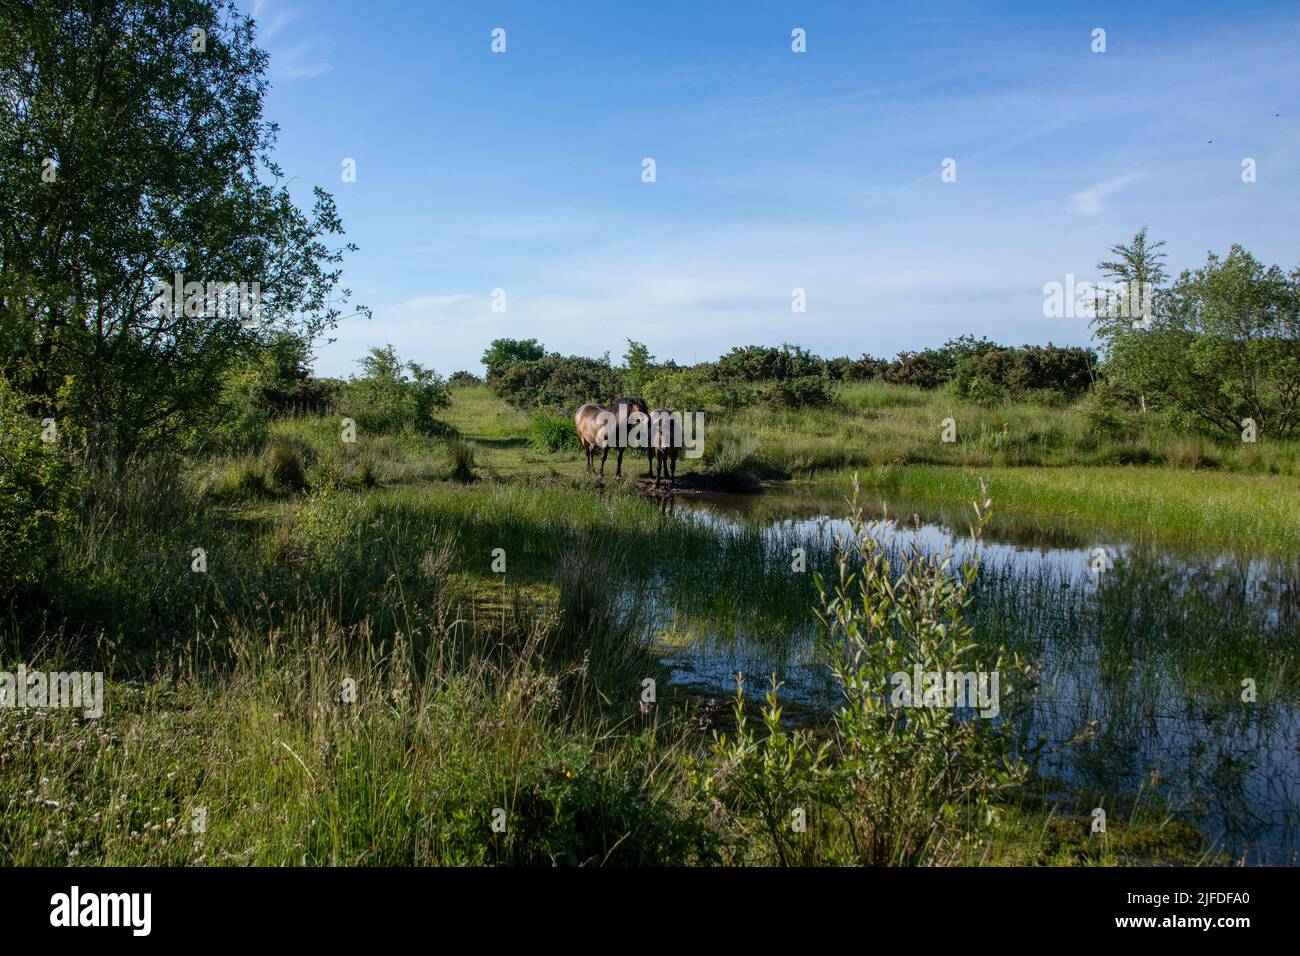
column 1037, row 459
column 366, row 570
column 228, row 738
column 1251, row 513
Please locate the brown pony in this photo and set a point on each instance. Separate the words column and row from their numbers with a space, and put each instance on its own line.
column 665, row 440
column 603, row 428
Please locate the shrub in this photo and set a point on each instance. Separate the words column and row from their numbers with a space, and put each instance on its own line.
column 690, row 390
column 922, row 369
column 803, row 392
column 502, row 353
column 839, row 369
column 983, row 371
column 395, row 396
column 1107, row 412
column 755, row 363
column 867, row 368
column 899, row 782
column 365, row 474
column 737, row 395
column 243, row 425
column 980, row 390
column 914, row 781
column 33, row 489
column 556, row 382
column 329, row 527
column 765, row 781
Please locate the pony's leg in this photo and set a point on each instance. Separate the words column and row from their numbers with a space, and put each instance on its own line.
column 618, row 465
column 603, row 455
column 672, row 478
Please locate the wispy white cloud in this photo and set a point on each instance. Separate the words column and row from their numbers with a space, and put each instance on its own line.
column 270, row 20
column 539, row 225
column 1091, row 201
column 307, row 57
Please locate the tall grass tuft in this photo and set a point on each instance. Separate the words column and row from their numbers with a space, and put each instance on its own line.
column 601, row 622
column 553, row 433
column 284, row 464
column 460, row 460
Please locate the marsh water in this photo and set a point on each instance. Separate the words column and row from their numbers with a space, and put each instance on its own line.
column 1147, row 656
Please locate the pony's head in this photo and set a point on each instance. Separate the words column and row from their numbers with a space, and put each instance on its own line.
column 634, row 404
column 632, row 409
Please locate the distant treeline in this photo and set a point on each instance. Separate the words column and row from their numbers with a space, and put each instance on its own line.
column 523, row 373
column 1219, row 352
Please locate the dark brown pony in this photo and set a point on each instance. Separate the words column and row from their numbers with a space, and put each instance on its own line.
column 665, row 440
column 605, row 428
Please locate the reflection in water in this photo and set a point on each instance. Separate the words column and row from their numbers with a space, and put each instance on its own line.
column 1149, row 659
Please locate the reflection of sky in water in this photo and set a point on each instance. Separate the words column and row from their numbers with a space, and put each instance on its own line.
column 1238, row 771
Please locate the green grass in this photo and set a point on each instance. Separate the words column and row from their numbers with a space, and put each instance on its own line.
column 1038, row 458
column 371, row 562
column 475, row 691
column 1246, row 512
column 280, row 770
column 874, row 423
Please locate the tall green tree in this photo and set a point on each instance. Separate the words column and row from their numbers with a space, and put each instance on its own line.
column 1222, row 344
column 1232, row 345
column 502, row 353
column 638, row 364
column 1138, row 268
column 133, row 148
column 1138, row 265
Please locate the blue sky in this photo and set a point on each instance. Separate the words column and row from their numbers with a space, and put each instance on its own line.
column 775, row 170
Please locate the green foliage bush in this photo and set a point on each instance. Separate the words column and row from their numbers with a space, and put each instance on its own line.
column 1109, row 413
column 33, row 495
column 927, row 369
column 556, row 382
column 987, row 373
column 691, row 389
column 803, row 392
column 502, row 353
column 755, row 363
column 393, row 396
column 895, row 783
